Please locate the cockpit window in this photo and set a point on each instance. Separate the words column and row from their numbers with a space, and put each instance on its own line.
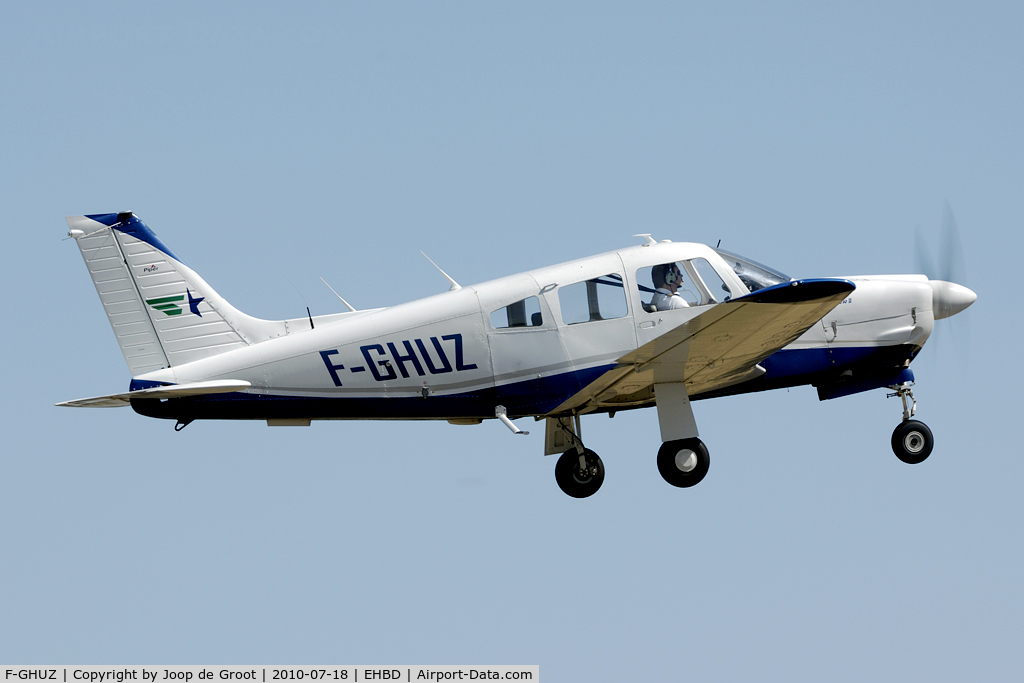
column 753, row 274
column 716, row 288
column 668, row 286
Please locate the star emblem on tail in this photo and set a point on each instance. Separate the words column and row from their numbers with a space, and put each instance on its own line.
column 193, row 302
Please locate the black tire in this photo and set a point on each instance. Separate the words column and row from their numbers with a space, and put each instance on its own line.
column 573, row 480
column 683, row 463
column 912, row 442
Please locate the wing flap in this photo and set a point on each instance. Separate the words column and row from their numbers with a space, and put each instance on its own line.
column 718, row 348
column 222, row 386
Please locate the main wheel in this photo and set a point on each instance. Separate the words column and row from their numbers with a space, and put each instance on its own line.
column 683, row 463
column 576, row 481
column 912, row 442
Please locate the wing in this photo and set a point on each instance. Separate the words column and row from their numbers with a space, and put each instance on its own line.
column 171, row 391
column 716, row 349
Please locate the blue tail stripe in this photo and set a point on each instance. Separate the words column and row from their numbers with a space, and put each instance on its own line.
column 137, row 229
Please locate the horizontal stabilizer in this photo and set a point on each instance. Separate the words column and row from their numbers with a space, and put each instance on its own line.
column 223, row 386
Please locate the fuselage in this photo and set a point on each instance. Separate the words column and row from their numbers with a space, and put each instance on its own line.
column 530, row 341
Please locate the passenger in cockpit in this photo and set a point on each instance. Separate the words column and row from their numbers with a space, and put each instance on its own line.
column 667, row 279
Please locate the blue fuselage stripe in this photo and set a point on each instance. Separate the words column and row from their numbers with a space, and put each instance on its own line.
column 530, row 397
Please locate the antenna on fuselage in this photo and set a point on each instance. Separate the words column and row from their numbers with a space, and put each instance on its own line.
column 308, row 314
column 347, row 304
column 650, row 240
column 455, row 285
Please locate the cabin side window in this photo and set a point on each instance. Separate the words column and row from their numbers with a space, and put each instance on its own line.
column 600, row 298
column 525, row 313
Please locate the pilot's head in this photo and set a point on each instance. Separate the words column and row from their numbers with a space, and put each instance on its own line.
column 667, row 276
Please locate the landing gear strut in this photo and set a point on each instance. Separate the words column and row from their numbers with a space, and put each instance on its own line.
column 912, row 441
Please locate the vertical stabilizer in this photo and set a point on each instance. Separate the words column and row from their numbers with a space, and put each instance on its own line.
column 161, row 311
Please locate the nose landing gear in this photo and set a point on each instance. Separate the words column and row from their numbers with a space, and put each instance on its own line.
column 912, row 441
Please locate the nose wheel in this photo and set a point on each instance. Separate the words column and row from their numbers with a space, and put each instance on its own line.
column 912, row 441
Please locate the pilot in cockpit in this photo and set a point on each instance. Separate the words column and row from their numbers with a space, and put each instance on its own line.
column 667, row 279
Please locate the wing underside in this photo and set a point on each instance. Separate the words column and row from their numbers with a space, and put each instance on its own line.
column 719, row 348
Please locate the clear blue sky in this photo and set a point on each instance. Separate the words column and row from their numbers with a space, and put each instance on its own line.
column 270, row 145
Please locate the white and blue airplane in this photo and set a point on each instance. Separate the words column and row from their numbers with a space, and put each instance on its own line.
column 658, row 324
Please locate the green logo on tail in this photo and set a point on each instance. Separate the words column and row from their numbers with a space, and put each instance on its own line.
column 167, row 304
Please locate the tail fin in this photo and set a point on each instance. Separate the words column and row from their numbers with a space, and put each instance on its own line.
column 162, row 312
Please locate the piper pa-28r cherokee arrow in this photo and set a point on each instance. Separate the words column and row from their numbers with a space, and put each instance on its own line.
column 658, row 324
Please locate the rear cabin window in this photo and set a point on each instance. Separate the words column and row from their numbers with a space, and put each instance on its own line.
column 601, row 298
column 525, row 313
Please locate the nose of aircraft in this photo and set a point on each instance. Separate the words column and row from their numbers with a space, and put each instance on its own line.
column 949, row 298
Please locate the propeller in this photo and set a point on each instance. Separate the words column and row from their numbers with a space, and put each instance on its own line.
column 952, row 265
column 948, row 275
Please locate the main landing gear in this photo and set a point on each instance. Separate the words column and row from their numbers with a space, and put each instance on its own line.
column 579, row 475
column 912, row 441
column 683, row 458
column 684, row 462
column 579, row 472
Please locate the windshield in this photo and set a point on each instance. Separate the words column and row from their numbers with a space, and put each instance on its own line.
column 753, row 274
